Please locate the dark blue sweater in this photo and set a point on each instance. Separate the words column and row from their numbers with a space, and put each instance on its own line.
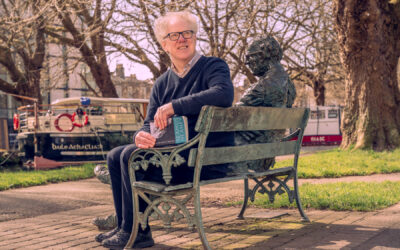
column 207, row 83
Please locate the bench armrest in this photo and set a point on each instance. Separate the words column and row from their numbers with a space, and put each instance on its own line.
column 164, row 157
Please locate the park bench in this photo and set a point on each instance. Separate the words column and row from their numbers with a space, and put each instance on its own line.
column 170, row 202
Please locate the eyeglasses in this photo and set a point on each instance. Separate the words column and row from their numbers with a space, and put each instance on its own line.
column 256, row 55
column 173, row 36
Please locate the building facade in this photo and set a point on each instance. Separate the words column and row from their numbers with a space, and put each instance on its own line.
column 130, row 87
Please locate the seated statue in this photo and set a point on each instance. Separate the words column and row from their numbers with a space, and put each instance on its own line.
column 273, row 89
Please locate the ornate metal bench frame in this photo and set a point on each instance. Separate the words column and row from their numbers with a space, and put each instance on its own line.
column 168, row 202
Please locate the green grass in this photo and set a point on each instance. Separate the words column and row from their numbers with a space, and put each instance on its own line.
column 16, row 179
column 353, row 196
column 337, row 163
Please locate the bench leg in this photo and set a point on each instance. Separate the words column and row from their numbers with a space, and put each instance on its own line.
column 297, row 198
column 245, row 199
column 135, row 226
column 199, row 220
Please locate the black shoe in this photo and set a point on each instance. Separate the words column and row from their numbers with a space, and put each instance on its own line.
column 106, row 235
column 143, row 240
column 117, row 241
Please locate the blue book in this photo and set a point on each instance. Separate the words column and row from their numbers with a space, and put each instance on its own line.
column 175, row 133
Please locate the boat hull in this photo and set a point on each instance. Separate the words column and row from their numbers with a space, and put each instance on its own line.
column 72, row 147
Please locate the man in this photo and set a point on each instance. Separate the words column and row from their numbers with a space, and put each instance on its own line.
column 192, row 82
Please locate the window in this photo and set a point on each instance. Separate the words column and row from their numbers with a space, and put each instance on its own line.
column 333, row 113
column 318, row 114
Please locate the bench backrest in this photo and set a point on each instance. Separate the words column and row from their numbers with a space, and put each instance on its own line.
column 243, row 118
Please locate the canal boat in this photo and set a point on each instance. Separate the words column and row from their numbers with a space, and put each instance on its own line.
column 76, row 129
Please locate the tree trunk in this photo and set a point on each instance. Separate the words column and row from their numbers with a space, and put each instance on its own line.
column 319, row 92
column 102, row 76
column 35, row 83
column 368, row 37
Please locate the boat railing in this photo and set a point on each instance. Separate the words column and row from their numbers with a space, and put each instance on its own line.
column 51, row 118
column 23, row 120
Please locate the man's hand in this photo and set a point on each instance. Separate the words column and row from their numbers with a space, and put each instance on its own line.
column 144, row 140
column 163, row 113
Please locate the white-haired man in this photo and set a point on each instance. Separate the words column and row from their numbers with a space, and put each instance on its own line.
column 192, row 82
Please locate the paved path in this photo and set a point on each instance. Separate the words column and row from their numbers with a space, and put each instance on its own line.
column 59, row 217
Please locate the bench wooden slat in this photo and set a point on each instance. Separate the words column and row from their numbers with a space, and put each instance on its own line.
column 158, row 187
column 243, row 153
column 149, row 185
column 272, row 172
column 256, row 118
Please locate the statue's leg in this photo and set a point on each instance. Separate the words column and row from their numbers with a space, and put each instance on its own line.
column 109, row 222
column 105, row 223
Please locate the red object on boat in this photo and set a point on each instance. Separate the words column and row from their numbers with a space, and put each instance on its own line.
column 41, row 163
column 16, row 122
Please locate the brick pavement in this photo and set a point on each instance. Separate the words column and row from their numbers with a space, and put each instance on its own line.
column 72, row 229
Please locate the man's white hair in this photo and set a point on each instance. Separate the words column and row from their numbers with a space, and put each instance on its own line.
column 161, row 23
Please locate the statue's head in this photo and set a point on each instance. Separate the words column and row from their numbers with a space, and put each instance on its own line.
column 262, row 53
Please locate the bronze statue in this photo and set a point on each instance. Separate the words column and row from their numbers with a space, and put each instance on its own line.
column 273, row 89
